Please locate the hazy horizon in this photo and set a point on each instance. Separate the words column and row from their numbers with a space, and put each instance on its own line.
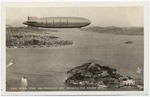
column 132, row 16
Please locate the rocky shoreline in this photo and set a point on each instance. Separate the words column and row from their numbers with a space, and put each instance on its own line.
column 94, row 74
column 28, row 38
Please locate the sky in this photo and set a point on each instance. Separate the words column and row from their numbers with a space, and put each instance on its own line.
column 99, row 16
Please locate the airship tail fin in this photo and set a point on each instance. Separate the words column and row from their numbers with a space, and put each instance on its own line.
column 31, row 27
column 32, row 18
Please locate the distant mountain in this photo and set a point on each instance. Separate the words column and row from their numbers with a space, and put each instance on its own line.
column 116, row 30
column 8, row 26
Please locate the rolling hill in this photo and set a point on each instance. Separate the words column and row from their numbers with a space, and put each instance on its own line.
column 116, row 30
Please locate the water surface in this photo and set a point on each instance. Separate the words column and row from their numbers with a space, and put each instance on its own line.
column 46, row 67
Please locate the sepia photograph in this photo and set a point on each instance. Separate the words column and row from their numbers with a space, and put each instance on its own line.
column 74, row 48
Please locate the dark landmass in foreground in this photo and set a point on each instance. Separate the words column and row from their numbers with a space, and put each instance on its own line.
column 102, row 76
column 116, row 30
column 21, row 37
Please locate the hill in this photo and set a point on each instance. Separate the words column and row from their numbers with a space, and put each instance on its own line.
column 20, row 37
column 96, row 74
column 116, row 30
column 8, row 26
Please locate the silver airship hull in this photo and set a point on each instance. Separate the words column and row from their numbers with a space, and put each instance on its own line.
column 57, row 22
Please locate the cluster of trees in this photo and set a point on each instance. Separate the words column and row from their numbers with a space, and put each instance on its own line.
column 19, row 38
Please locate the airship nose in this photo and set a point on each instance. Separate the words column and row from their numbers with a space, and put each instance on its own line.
column 88, row 22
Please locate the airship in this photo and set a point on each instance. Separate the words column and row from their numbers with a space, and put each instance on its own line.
column 57, row 22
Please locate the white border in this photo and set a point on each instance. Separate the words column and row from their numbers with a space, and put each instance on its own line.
column 77, row 4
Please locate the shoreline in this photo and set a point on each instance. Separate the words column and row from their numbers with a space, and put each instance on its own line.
column 37, row 47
